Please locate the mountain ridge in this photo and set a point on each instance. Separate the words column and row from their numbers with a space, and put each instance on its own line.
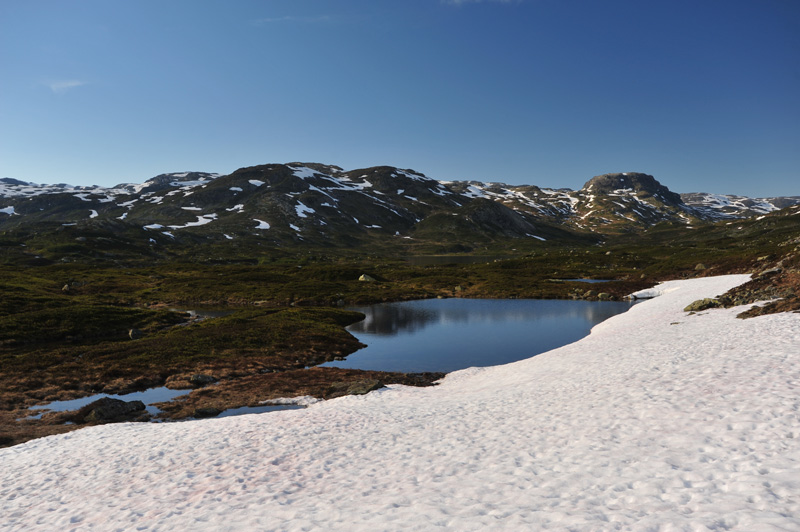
column 318, row 204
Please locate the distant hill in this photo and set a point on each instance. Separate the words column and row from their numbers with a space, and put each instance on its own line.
column 298, row 204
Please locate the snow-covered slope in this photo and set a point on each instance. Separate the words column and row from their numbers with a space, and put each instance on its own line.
column 726, row 206
column 14, row 188
column 658, row 420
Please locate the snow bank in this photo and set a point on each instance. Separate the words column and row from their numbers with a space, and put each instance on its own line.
column 656, row 421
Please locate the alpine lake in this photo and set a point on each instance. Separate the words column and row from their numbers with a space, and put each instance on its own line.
column 450, row 334
column 430, row 335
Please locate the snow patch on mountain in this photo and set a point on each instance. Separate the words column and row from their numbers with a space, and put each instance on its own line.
column 303, row 172
column 721, row 206
column 303, row 210
column 203, row 219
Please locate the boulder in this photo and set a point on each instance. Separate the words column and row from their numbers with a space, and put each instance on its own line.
column 135, row 334
column 703, row 304
column 107, row 410
column 206, row 411
column 200, row 380
column 770, row 271
column 366, row 278
column 339, row 389
column 364, row 387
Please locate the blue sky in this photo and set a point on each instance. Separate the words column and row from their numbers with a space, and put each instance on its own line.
column 702, row 94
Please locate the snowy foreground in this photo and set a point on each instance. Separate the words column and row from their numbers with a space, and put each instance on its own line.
column 656, row 421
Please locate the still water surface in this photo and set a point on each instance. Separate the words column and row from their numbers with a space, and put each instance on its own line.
column 451, row 334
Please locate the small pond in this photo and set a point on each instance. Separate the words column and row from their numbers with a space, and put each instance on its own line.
column 451, row 334
column 148, row 397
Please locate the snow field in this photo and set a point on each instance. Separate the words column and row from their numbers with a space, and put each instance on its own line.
column 657, row 421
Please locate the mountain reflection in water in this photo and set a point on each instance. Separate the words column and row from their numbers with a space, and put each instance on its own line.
column 451, row 334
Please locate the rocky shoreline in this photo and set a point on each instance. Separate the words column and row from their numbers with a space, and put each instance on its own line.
column 207, row 397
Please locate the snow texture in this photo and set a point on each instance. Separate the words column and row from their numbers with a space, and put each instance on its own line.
column 658, row 420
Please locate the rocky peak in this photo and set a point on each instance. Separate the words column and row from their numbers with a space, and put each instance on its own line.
column 636, row 182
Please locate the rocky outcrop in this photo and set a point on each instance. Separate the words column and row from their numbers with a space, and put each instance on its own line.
column 108, row 410
column 339, row 389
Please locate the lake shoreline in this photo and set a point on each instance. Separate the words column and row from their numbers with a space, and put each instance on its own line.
column 231, row 389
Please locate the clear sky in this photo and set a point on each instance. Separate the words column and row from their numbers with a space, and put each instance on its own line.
column 702, row 94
